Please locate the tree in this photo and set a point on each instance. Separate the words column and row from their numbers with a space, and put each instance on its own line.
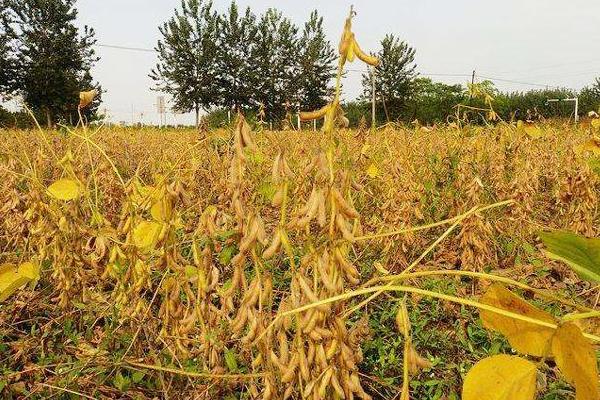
column 433, row 102
column 53, row 59
column 589, row 98
column 236, row 40
column 316, row 69
column 394, row 77
column 187, row 53
column 6, row 50
column 274, row 64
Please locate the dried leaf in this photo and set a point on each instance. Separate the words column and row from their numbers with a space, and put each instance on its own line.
column 501, row 377
column 64, row 189
column 525, row 337
column 576, row 359
column 578, row 252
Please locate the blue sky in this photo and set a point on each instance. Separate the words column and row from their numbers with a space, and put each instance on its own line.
column 550, row 42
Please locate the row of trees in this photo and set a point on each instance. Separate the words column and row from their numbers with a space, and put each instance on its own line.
column 235, row 59
column 240, row 60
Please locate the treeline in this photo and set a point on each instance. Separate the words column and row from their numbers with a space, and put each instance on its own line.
column 434, row 102
column 240, row 60
column 211, row 62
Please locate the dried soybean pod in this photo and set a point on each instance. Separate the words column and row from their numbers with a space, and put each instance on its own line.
column 342, row 225
column 325, row 382
column 364, row 57
column 335, row 383
column 310, row 115
column 274, row 246
column 289, row 372
column 278, row 197
column 303, row 363
column 275, row 175
column 343, row 205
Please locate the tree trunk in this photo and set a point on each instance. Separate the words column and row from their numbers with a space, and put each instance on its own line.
column 48, row 118
column 197, row 108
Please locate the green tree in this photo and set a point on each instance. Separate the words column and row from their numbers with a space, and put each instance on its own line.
column 317, row 68
column 6, row 50
column 589, row 98
column 533, row 104
column 433, row 102
column 187, row 57
column 236, row 38
column 274, row 64
column 394, row 78
column 53, row 58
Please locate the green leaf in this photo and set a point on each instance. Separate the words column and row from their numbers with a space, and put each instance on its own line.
column 121, row 382
column 137, row 376
column 578, row 252
column 231, row 361
column 226, row 255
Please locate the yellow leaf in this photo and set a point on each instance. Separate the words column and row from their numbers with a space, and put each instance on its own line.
column 12, row 278
column 596, row 123
column 501, row 377
column 145, row 234
column 533, row 131
column 364, row 151
column 161, row 210
column 592, row 145
column 576, row 359
column 525, row 337
column 64, row 189
column 372, row 171
column 86, row 98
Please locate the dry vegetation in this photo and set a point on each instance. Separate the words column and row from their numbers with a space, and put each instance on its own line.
column 182, row 265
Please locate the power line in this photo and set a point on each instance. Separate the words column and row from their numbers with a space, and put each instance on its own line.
column 364, row 71
column 518, row 82
column 111, row 46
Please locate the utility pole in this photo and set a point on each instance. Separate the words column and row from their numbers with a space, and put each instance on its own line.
column 472, row 83
column 373, row 98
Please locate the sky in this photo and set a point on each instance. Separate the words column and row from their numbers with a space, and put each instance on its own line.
column 545, row 42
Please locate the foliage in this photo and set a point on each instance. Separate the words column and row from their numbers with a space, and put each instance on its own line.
column 274, row 65
column 316, row 69
column 589, row 98
column 433, row 102
column 580, row 253
column 236, row 39
column 166, row 244
column 53, row 59
column 187, row 57
column 394, row 79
